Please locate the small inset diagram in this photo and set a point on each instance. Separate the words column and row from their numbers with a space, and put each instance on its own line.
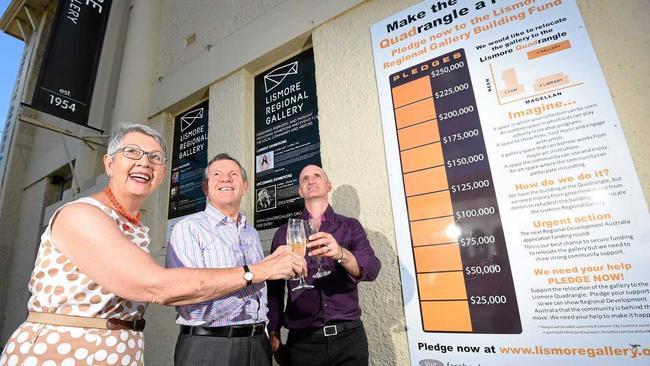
column 512, row 85
column 551, row 82
column 265, row 198
column 521, row 85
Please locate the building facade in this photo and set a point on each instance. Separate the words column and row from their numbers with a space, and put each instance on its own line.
column 160, row 58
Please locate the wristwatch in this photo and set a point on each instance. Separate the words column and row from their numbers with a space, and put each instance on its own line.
column 248, row 275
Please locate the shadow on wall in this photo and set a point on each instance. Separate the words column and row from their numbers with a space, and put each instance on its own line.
column 381, row 300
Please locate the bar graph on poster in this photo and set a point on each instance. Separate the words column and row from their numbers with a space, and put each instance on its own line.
column 519, row 217
column 448, row 183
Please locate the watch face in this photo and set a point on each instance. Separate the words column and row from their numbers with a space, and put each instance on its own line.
column 248, row 276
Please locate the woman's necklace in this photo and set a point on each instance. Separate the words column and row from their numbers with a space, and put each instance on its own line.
column 135, row 220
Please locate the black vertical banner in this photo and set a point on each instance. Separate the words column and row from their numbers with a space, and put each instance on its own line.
column 67, row 77
column 286, row 137
column 189, row 159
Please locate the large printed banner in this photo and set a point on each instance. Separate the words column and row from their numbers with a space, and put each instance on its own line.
column 286, row 137
column 67, row 78
column 189, row 160
column 521, row 225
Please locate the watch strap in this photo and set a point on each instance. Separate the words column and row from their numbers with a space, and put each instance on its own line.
column 249, row 281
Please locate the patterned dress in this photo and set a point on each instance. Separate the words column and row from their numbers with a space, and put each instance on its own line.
column 57, row 286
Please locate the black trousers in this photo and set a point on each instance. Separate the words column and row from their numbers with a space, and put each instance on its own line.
column 348, row 348
column 193, row 350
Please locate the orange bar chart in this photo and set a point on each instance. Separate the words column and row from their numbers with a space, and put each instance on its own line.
column 429, row 202
column 445, row 173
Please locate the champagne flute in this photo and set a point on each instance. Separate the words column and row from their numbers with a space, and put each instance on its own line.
column 297, row 240
column 311, row 229
column 289, row 240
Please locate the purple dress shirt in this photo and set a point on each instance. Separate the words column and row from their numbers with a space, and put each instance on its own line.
column 335, row 297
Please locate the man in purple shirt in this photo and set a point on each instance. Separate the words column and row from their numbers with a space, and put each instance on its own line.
column 324, row 323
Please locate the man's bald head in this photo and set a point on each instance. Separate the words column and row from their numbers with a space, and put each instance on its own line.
column 314, row 183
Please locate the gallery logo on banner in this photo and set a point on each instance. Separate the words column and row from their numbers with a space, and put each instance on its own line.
column 277, row 75
column 188, row 118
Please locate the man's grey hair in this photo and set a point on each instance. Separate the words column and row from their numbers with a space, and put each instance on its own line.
column 224, row 156
column 122, row 129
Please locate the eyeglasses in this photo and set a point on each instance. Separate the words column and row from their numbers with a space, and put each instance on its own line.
column 133, row 153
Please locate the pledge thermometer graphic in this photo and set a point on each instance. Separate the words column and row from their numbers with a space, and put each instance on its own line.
column 461, row 260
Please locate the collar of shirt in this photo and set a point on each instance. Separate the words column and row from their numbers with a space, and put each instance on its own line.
column 220, row 218
column 328, row 216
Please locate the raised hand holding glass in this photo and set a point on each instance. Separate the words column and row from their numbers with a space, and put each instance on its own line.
column 297, row 240
column 312, row 229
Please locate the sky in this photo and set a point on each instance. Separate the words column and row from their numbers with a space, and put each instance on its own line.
column 11, row 50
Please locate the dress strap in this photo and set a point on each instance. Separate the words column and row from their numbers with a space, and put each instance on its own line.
column 87, row 200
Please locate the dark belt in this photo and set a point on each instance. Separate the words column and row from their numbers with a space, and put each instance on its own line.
column 328, row 330
column 247, row 330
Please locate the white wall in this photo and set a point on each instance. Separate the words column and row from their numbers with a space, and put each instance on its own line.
column 620, row 34
column 210, row 21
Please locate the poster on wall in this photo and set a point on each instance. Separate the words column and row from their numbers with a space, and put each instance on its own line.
column 520, row 220
column 67, row 78
column 189, row 159
column 286, row 137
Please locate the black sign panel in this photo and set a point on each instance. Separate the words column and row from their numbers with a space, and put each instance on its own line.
column 286, row 137
column 189, row 159
column 67, row 78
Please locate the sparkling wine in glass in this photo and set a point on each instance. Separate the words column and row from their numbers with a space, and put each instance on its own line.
column 297, row 241
column 311, row 229
column 291, row 246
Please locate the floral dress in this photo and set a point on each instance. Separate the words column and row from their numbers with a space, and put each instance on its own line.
column 57, row 286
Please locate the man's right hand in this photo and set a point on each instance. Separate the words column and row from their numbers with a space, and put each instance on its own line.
column 279, row 265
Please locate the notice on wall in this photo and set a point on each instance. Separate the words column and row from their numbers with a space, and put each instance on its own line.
column 189, row 160
column 521, row 225
column 286, row 137
column 67, row 78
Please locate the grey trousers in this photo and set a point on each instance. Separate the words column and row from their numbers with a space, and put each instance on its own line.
column 193, row 350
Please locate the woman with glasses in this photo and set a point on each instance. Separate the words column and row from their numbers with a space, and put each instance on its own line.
column 93, row 276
